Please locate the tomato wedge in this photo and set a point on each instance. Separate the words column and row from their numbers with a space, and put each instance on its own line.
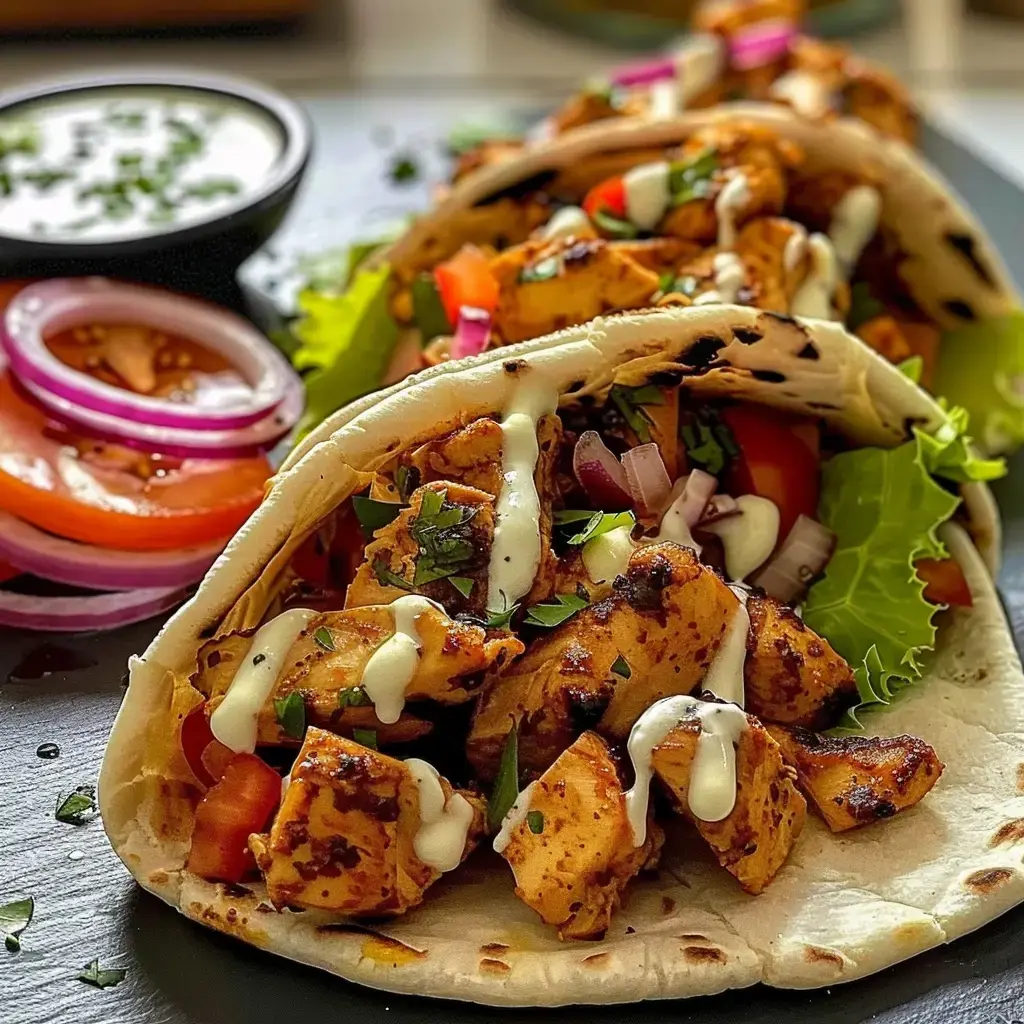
column 238, row 805
column 608, row 196
column 778, row 459
column 466, row 280
column 114, row 496
column 945, row 582
column 206, row 755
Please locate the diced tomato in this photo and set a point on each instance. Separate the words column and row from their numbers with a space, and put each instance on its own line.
column 228, row 814
column 945, row 582
column 778, row 459
column 206, row 755
column 466, row 280
column 608, row 196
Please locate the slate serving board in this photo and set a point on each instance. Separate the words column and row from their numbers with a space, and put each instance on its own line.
column 65, row 690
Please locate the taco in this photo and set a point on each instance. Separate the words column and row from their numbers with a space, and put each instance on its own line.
column 457, row 713
column 750, row 205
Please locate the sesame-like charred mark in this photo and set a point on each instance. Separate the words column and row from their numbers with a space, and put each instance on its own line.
column 1011, row 832
column 746, row 335
column 704, row 955
column 702, row 352
column 987, row 881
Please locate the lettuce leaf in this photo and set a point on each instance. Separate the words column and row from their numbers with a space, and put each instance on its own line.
column 345, row 343
column 885, row 506
column 981, row 366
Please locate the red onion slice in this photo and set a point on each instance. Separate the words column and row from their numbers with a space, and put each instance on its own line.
column 696, row 490
column 84, row 565
column 761, row 44
column 472, row 332
column 721, row 506
column 85, row 614
column 600, row 474
column 649, row 482
column 804, row 553
column 644, row 73
column 68, row 302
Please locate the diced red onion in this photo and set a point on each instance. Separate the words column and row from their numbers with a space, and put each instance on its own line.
column 761, row 44
column 85, row 614
column 600, row 474
column 804, row 553
column 84, row 565
column 644, row 73
column 472, row 332
column 68, row 302
column 648, row 479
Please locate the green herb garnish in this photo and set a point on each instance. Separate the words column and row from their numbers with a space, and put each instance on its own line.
column 404, row 169
column 353, row 697
column 78, row 807
column 598, row 523
column 407, row 479
column 500, row 620
column 323, row 638
column 631, row 401
column 553, row 613
column 462, row 584
column 506, row 782
column 692, row 180
column 388, row 577
column 366, row 738
column 621, row 667
column 863, row 306
column 291, row 715
column 543, row 270
column 666, row 281
column 535, row 819
column 93, row 974
column 614, row 226
column 442, row 533
column 912, row 368
column 709, row 442
column 428, row 312
column 15, row 917
column 211, row 188
column 373, row 514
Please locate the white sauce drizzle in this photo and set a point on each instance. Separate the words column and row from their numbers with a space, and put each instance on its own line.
column 607, row 556
column 515, row 817
column 711, row 794
column 392, row 666
column 647, row 194
column 725, row 675
column 733, row 197
column 729, row 276
column 748, row 538
column 854, row 223
column 698, row 66
column 234, row 721
column 796, row 248
column 440, row 840
column 515, row 551
column 674, row 527
column 804, row 91
column 568, row 222
column 665, row 99
column 814, row 296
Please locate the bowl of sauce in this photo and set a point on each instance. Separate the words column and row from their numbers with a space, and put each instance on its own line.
column 145, row 173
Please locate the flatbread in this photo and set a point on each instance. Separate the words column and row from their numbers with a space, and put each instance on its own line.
column 842, row 907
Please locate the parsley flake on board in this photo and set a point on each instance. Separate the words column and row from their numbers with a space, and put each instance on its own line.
column 442, row 533
column 631, row 401
column 15, row 917
column 373, row 514
column 353, row 697
column 78, row 807
column 404, row 169
column 506, row 782
column 101, row 977
column 323, row 638
column 291, row 714
column 553, row 613
column 598, row 523
column 535, row 819
column 365, row 737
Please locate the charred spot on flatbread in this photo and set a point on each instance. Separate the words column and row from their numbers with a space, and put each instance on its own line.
column 702, row 352
column 817, row 955
column 808, row 352
column 960, row 308
column 966, row 245
column 768, row 376
column 987, row 881
column 705, row 955
column 489, row 965
column 746, row 335
column 517, row 190
column 1011, row 832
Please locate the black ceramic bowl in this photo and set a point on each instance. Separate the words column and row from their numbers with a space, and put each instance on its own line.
column 184, row 256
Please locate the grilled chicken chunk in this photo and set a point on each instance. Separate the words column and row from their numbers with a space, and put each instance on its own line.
column 792, row 675
column 572, row 853
column 855, row 780
column 590, row 277
column 452, row 659
column 899, row 340
column 344, row 837
column 666, row 619
column 753, row 842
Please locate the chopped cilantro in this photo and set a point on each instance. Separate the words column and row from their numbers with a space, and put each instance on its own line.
column 692, row 180
column 387, row 577
column 709, row 442
column 462, row 584
column 501, row 620
column 366, row 737
column 621, row 667
column 598, row 523
column 614, row 226
column 108, row 977
column 373, row 514
column 631, row 401
column 15, row 917
column 78, row 807
column 863, row 306
column 291, row 715
column 407, row 479
column 553, row 613
column 353, row 697
column 428, row 312
column 506, row 782
column 323, row 638
column 535, row 819
column 404, row 169
column 912, row 367
column 442, row 534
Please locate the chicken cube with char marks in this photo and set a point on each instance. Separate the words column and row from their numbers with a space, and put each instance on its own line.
column 873, row 95
column 594, row 105
column 589, row 277
column 774, row 252
column 753, row 841
column 344, row 837
column 898, row 340
column 792, row 675
column 667, row 618
column 660, row 255
column 572, row 853
column 856, row 780
column 452, row 660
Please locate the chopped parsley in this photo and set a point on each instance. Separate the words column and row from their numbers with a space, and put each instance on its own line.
column 553, row 613
column 388, row 577
column 709, row 442
column 291, row 715
column 373, row 514
column 614, row 226
column 621, row 667
column 535, row 819
column 78, row 807
column 407, row 479
column 598, row 523
column 666, row 281
column 501, row 619
column 100, row 977
column 631, row 401
column 462, row 584
column 688, row 285
column 863, row 306
column 353, row 697
column 428, row 312
column 366, row 738
column 692, row 180
column 506, row 782
column 404, row 169
column 912, row 367
column 15, row 917
column 442, row 534
column 543, row 270
column 323, row 638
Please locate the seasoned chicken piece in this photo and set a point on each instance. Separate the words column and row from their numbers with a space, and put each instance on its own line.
column 486, row 154
column 326, row 664
column 572, row 849
column 575, row 179
column 661, row 255
column 855, row 780
column 792, row 675
column 813, row 198
column 666, row 620
column 592, row 105
column 898, row 340
column 880, row 99
column 345, row 836
column 754, row 840
column 421, row 547
column 774, row 252
column 590, row 277
column 826, row 61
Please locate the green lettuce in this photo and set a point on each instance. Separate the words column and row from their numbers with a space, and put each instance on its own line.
column 345, row 343
column 980, row 368
column 885, row 506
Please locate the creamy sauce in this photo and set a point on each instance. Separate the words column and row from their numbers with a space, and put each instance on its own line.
column 392, row 666
column 814, row 296
column 712, row 791
column 749, row 538
column 733, row 197
column 674, row 528
column 796, row 249
column 804, row 92
column 234, row 721
column 516, row 816
column 698, row 66
column 607, row 556
column 568, row 222
column 729, row 277
column 725, row 675
column 440, row 840
column 854, row 223
column 515, row 551
column 647, row 194
column 665, row 100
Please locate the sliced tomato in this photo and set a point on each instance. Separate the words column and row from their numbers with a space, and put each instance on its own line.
column 206, row 755
column 778, row 459
column 113, row 496
column 466, row 280
column 238, row 805
column 945, row 582
column 608, row 196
